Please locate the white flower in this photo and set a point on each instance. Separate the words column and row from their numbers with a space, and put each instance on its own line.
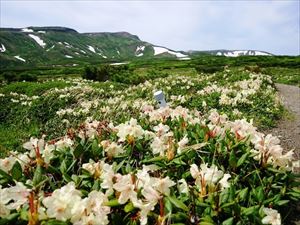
column 224, row 181
column 125, row 186
column 209, row 176
column 130, row 128
column 183, row 186
column 14, row 197
column 162, row 185
column 182, row 143
column 4, row 211
column 35, row 146
column 63, row 143
column 48, row 153
column 60, row 204
column 158, row 146
column 242, row 129
column 112, row 149
column 216, row 118
column 145, row 209
column 107, row 177
column 91, row 210
column 150, row 194
column 269, row 151
column 161, row 129
column 272, row 217
column 94, row 168
column 7, row 163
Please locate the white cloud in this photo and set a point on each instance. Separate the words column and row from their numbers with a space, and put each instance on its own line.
column 180, row 25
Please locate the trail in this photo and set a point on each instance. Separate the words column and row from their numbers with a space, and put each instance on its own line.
column 288, row 129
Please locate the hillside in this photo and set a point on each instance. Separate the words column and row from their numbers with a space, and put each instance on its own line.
column 55, row 46
column 59, row 45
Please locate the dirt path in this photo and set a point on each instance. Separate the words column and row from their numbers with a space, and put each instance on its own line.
column 288, row 129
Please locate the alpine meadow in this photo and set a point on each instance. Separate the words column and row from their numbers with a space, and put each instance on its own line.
column 105, row 128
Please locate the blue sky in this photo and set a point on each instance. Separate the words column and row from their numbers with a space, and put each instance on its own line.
column 271, row 26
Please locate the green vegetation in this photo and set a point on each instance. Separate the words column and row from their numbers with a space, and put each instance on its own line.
column 30, row 116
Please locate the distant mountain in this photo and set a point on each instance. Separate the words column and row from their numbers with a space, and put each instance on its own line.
column 232, row 53
column 64, row 46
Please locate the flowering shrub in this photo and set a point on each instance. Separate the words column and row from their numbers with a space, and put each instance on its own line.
column 165, row 166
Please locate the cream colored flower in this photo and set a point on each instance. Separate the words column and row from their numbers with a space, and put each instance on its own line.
column 272, row 217
column 125, row 186
column 60, row 204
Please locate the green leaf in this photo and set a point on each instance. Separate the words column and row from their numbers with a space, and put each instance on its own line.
column 179, row 204
column 206, row 223
column 78, row 151
column 242, row 159
column 16, row 171
column 177, row 161
column 113, row 203
column 229, row 221
column 227, row 204
column 154, row 159
column 243, row 194
column 250, row 210
column 168, row 205
column 282, row 202
column 224, row 196
column 54, row 222
column 63, row 167
column 260, row 193
column 67, row 178
column 232, row 159
column 5, row 175
column 129, row 207
column 38, row 176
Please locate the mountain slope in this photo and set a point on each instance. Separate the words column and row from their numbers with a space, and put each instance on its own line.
column 39, row 46
column 59, row 45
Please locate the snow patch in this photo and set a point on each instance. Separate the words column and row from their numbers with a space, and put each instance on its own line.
column 118, row 52
column 235, row 53
column 261, row 53
column 19, row 58
column 103, row 56
column 139, row 51
column 140, row 48
column 160, row 50
column 38, row 40
column 91, row 48
column 2, row 48
column 185, row 58
column 77, row 53
column 83, row 51
column 26, row 30
column 116, row 64
column 245, row 52
column 68, row 56
column 42, row 32
column 50, row 48
column 219, row 53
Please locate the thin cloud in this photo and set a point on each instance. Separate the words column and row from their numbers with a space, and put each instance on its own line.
column 181, row 25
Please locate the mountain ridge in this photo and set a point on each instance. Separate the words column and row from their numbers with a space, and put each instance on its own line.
column 61, row 45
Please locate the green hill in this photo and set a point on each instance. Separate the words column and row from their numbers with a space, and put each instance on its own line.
column 36, row 46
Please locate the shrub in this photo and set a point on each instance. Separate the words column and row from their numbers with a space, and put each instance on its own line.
column 208, row 69
column 10, row 76
column 27, row 77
